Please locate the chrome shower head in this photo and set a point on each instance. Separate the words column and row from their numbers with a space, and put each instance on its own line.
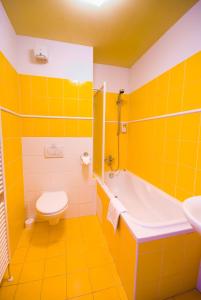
column 119, row 100
column 121, row 91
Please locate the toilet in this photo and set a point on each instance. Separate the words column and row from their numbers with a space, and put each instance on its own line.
column 51, row 206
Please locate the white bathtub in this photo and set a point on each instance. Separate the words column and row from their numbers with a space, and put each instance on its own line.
column 150, row 211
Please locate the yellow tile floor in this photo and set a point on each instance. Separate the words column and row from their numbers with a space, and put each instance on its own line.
column 68, row 261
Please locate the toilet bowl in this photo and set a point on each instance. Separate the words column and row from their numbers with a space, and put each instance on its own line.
column 51, row 206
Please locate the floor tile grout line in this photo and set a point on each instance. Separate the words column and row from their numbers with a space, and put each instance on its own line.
column 39, row 259
column 94, row 292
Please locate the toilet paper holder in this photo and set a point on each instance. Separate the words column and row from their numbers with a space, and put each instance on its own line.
column 85, row 158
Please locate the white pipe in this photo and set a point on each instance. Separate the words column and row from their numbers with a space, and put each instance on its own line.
column 171, row 115
column 43, row 116
column 180, row 113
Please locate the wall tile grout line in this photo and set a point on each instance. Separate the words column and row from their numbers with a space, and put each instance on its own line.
column 165, row 131
column 179, row 134
column 197, row 158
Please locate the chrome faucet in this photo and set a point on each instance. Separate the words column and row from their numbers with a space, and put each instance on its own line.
column 109, row 160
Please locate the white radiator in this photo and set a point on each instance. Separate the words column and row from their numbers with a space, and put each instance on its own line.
column 4, row 250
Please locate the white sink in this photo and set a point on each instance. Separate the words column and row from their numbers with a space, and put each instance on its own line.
column 192, row 210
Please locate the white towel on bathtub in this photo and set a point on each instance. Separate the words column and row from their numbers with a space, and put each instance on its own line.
column 114, row 210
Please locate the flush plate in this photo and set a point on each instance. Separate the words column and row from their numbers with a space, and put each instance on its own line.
column 53, row 151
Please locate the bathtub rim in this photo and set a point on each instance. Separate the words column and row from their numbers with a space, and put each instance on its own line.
column 145, row 234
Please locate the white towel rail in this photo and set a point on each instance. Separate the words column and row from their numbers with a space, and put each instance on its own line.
column 4, row 247
column 4, row 254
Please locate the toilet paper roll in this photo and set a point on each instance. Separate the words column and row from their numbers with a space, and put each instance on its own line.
column 85, row 159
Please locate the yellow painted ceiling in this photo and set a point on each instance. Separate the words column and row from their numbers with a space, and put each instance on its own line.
column 120, row 30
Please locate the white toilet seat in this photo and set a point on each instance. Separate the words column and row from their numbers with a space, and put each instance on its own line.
column 50, row 203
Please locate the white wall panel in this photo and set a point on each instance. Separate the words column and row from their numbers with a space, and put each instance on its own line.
column 53, row 174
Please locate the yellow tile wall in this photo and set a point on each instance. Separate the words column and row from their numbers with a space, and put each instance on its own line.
column 55, row 97
column 11, row 133
column 111, row 107
column 56, row 128
column 9, row 85
column 167, row 152
column 168, row 266
column 111, row 130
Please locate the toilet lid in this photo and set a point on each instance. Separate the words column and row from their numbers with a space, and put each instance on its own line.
column 51, row 202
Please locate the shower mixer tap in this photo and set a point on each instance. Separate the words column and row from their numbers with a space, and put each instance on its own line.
column 109, row 160
column 121, row 128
